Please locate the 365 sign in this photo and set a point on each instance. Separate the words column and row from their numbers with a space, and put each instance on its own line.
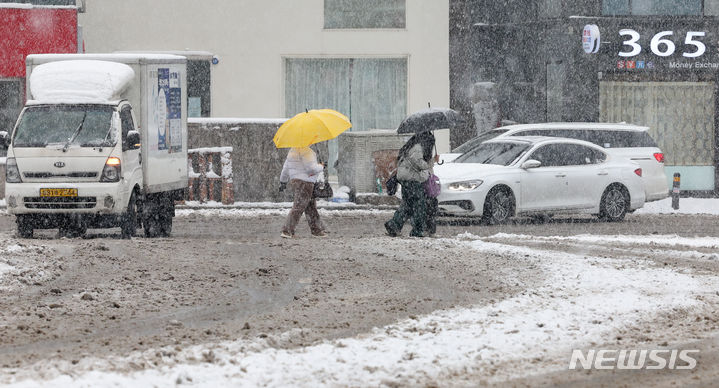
column 662, row 44
column 636, row 50
column 690, row 44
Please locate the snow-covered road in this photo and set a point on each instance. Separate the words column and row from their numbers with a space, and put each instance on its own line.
column 591, row 297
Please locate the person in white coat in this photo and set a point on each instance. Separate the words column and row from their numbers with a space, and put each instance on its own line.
column 301, row 170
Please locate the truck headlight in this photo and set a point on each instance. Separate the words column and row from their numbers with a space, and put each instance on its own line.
column 465, row 185
column 12, row 174
column 111, row 172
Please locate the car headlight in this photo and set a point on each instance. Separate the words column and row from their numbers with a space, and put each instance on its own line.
column 465, row 185
column 111, row 172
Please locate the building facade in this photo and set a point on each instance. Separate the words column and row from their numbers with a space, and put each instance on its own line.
column 373, row 60
column 30, row 27
column 653, row 63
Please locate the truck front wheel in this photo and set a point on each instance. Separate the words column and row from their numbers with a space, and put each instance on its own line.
column 24, row 226
column 128, row 222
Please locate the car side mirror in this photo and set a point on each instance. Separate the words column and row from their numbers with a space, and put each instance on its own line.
column 4, row 139
column 531, row 163
column 132, row 141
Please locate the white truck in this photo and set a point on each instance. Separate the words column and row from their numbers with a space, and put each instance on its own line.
column 100, row 143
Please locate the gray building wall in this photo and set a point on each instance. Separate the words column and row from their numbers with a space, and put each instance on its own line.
column 256, row 162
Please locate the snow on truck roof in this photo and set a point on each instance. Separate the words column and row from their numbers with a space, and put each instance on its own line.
column 127, row 58
column 80, row 81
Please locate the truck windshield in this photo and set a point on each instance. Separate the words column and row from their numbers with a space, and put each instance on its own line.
column 83, row 125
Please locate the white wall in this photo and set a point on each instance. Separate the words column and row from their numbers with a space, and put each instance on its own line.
column 251, row 37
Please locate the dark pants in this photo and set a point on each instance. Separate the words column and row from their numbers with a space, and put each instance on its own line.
column 414, row 206
column 303, row 203
column 432, row 210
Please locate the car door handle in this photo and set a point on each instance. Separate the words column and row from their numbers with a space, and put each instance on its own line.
column 602, row 173
column 561, row 175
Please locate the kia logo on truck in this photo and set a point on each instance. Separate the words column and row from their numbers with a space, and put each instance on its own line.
column 59, row 164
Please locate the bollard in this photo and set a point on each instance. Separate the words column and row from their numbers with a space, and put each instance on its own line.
column 675, row 191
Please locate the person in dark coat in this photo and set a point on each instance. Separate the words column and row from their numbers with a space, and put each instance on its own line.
column 414, row 166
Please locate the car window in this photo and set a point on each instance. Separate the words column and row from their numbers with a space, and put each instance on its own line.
column 550, row 155
column 126, row 121
column 501, row 153
column 578, row 155
column 476, row 141
column 559, row 154
column 602, row 138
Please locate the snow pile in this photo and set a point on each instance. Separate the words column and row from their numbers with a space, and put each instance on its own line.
column 656, row 240
column 586, row 300
column 686, row 206
column 5, row 268
column 80, row 81
column 342, row 194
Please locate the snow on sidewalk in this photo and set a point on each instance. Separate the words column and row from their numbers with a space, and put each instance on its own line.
column 686, row 206
column 585, row 300
column 609, row 240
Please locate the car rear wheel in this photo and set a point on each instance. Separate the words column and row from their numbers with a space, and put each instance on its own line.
column 498, row 206
column 614, row 204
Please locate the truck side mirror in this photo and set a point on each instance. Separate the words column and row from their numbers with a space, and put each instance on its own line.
column 132, row 141
column 4, row 139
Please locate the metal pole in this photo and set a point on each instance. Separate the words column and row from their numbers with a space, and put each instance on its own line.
column 675, row 190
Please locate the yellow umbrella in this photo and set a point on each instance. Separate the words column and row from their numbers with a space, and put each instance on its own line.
column 310, row 127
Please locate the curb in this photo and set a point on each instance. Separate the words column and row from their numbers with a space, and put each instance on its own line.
column 282, row 206
column 247, row 206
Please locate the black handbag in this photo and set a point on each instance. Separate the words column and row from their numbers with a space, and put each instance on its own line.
column 391, row 184
column 322, row 190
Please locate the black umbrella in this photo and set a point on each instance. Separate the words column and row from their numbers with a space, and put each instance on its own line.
column 429, row 119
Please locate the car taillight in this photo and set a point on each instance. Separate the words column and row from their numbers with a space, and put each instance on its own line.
column 659, row 157
column 638, row 171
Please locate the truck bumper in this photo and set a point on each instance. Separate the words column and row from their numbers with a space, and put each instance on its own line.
column 92, row 198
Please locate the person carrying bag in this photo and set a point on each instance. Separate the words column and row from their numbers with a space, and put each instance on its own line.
column 414, row 164
column 301, row 170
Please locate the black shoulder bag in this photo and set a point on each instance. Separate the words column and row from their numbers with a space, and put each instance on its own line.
column 323, row 189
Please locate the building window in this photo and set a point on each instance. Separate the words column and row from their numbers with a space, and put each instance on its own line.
column 364, row 14
column 199, row 102
column 372, row 92
column 711, row 7
column 11, row 101
column 652, row 7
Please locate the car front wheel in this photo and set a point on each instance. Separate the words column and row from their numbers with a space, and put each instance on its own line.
column 614, row 204
column 498, row 206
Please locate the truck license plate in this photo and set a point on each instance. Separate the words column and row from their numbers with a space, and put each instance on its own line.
column 58, row 192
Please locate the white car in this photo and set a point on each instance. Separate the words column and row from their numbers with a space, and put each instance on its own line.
column 534, row 175
column 618, row 139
